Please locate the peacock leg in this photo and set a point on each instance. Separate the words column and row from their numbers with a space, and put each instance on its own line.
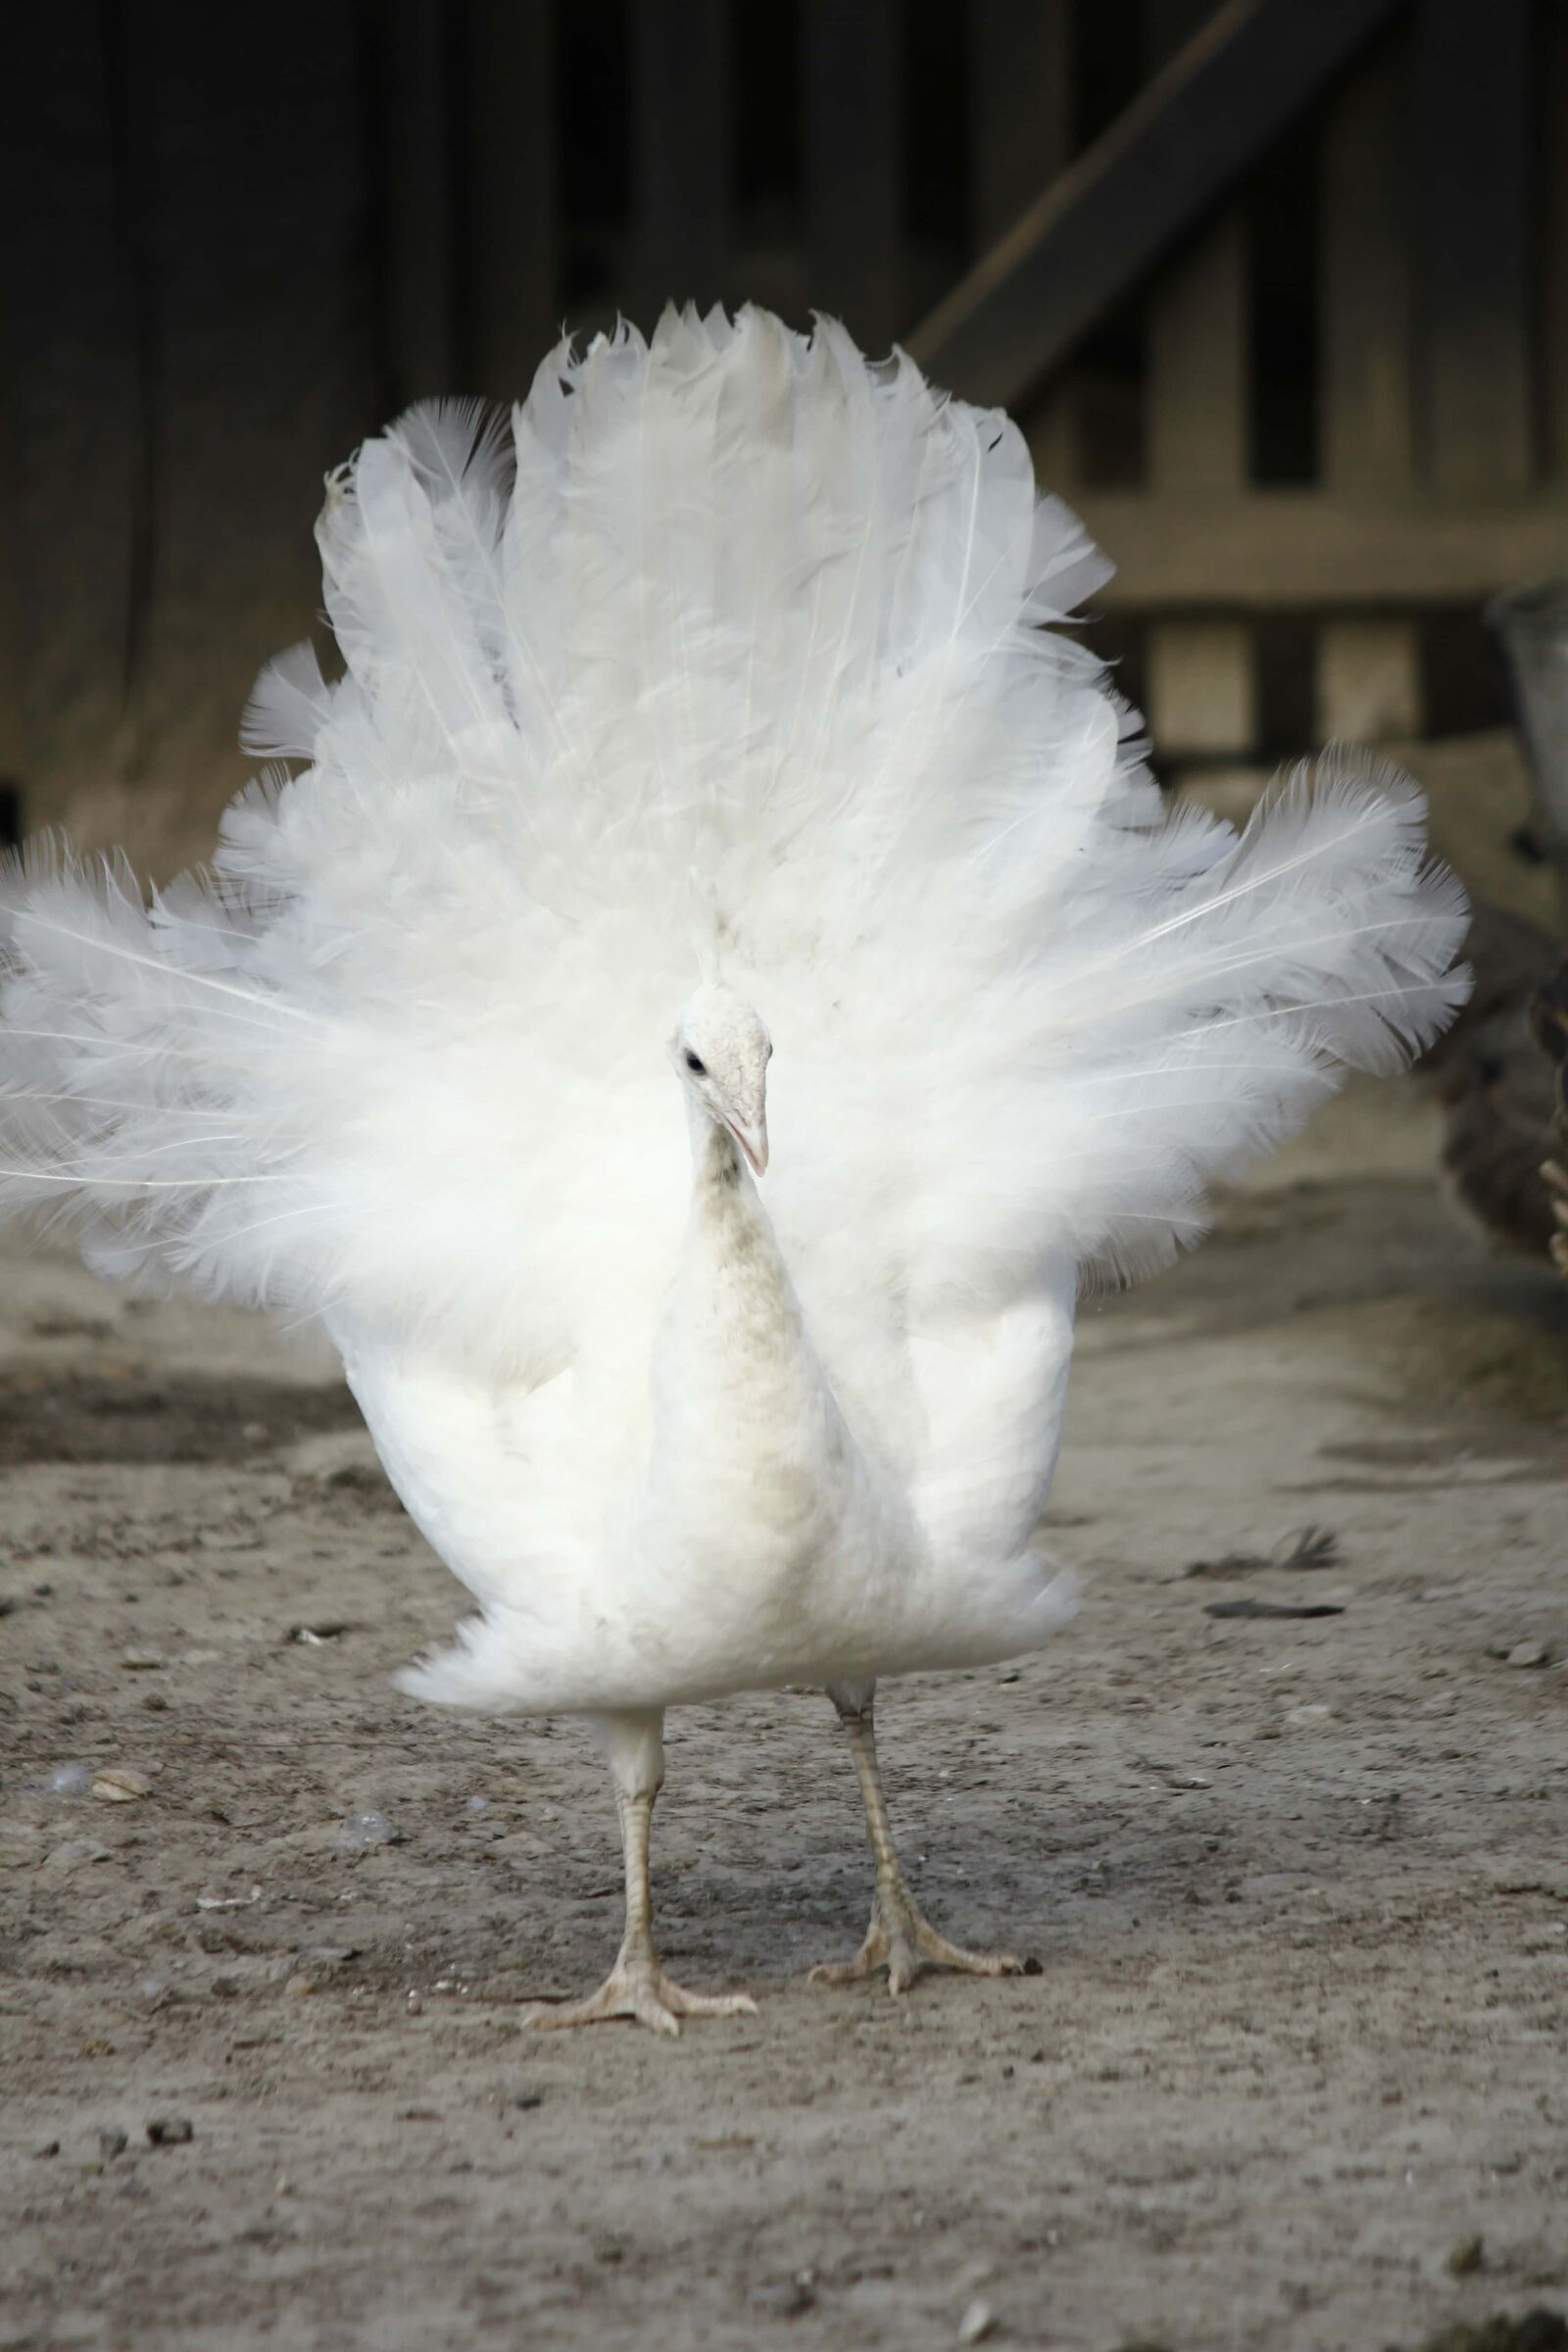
column 637, row 1986
column 900, row 1937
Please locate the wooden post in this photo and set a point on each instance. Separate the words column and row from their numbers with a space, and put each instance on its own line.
column 1196, row 399
column 851, row 175
column 1020, row 90
column 681, row 113
column 513, row 227
column 1365, row 244
column 1472, row 91
column 1203, row 681
column 1367, row 684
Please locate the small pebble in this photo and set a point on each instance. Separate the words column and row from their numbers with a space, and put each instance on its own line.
column 1528, row 1653
column 141, row 1661
column 978, row 2322
column 1467, row 2257
column 71, row 1852
column 360, row 1831
column 787, row 2298
column 415, row 2004
column 169, row 2130
column 119, row 1785
column 299, row 1987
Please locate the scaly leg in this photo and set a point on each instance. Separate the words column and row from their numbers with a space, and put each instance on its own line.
column 637, row 1986
column 900, row 1937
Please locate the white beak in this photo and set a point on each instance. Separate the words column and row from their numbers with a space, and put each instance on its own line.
column 752, row 1141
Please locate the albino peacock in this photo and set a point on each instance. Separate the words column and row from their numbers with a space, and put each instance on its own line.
column 719, row 682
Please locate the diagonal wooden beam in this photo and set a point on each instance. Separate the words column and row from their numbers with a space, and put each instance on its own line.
column 1138, row 190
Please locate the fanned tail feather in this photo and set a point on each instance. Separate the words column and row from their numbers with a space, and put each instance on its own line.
column 735, row 648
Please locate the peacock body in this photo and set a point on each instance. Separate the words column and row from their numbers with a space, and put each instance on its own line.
column 724, row 684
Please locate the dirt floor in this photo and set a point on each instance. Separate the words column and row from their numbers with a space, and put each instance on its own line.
column 1292, row 2072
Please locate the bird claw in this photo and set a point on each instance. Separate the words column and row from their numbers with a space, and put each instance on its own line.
column 638, row 1988
column 902, row 1940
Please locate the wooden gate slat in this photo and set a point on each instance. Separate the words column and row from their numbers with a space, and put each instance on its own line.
column 1367, row 281
column 1472, row 85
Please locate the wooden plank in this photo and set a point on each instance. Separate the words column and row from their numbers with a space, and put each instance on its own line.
column 512, row 161
column 851, row 164
column 418, row 196
column 262, row 376
column 74, row 418
column 680, row 114
column 1138, row 190
column 1472, row 119
column 1368, row 682
column 1020, row 66
column 1552, row 77
column 1203, row 688
column 1020, row 110
column 1196, row 387
column 1295, row 549
column 1366, row 278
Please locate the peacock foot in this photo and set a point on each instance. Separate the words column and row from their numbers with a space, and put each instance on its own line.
column 902, row 1940
column 638, row 1988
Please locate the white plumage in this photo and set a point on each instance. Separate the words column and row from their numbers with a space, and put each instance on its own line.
column 723, row 685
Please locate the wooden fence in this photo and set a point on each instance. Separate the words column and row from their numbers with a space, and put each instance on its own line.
column 1279, row 288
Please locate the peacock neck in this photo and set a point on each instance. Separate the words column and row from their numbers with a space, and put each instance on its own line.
column 718, row 1175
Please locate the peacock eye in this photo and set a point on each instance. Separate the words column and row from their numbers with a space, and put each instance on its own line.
column 701, row 1068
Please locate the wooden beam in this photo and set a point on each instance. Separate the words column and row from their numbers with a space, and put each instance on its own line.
column 1365, row 246
column 1295, row 550
column 1472, row 100
column 1194, row 395
column 850, row 86
column 681, row 116
column 1142, row 186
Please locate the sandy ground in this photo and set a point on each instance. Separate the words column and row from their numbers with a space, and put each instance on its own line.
column 1297, row 1886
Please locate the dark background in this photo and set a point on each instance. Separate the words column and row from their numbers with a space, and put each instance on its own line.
column 1317, row 423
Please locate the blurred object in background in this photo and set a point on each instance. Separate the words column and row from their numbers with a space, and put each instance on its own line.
column 1498, row 1075
column 1550, row 1017
column 1278, row 292
column 1533, row 626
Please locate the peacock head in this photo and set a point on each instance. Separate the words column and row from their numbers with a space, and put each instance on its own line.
column 721, row 1051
